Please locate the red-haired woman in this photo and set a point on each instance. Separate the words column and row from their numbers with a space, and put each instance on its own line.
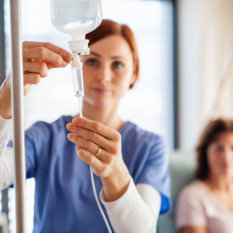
column 206, row 205
column 131, row 164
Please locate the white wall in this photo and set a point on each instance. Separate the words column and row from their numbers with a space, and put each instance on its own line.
column 188, row 73
column 205, row 49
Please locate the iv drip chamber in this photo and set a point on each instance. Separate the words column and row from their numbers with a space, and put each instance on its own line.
column 77, row 74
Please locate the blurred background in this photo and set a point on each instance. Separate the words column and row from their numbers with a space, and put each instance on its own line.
column 186, row 77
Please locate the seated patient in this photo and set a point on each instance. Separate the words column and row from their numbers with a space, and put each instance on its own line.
column 206, row 205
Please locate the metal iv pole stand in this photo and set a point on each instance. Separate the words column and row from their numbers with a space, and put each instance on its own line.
column 17, row 103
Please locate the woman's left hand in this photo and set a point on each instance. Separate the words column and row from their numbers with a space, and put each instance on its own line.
column 108, row 164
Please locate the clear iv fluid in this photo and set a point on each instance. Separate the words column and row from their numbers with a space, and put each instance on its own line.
column 76, row 17
column 78, row 81
column 77, row 74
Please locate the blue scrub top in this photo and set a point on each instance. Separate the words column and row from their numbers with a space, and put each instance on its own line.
column 64, row 200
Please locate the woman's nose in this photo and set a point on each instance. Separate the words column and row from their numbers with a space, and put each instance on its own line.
column 227, row 154
column 104, row 73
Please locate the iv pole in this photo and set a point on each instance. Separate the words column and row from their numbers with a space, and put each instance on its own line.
column 17, row 103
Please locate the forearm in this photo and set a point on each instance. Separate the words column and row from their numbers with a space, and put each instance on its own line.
column 6, row 169
column 6, row 155
column 136, row 211
column 5, row 99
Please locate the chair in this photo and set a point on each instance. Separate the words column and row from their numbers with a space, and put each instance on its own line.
column 182, row 166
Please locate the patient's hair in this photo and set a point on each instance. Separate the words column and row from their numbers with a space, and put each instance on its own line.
column 208, row 136
column 109, row 28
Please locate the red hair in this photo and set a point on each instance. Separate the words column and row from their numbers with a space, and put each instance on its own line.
column 108, row 28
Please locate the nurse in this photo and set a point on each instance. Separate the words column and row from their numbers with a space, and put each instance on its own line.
column 130, row 164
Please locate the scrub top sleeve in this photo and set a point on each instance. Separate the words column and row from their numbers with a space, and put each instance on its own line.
column 36, row 138
column 156, row 172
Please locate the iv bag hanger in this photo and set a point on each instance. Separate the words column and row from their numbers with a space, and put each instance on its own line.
column 17, row 109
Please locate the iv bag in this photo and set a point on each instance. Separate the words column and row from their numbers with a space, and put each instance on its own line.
column 76, row 18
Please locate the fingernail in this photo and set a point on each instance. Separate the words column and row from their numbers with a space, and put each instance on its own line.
column 75, row 120
column 68, row 125
column 69, row 56
column 69, row 136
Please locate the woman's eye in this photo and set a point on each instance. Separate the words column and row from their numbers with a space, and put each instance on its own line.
column 117, row 65
column 218, row 148
column 91, row 62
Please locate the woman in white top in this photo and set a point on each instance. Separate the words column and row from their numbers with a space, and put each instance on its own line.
column 206, row 205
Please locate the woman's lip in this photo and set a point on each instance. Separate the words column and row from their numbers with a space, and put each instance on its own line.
column 101, row 90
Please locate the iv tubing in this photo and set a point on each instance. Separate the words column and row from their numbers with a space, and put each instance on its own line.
column 77, row 64
column 97, row 201
column 96, row 196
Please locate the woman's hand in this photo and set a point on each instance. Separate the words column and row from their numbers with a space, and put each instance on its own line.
column 38, row 58
column 89, row 136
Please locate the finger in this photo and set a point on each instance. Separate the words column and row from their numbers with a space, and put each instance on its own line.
column 90, row 147
column 85, row 144
column 31, row 78
column 90, row 159
column 50, row 66
column 26, row 89
column 62, row 52
column 97, row 127
column 43, row 54
column 91, row 136
column 36, row 67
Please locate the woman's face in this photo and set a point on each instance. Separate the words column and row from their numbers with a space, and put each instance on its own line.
column 108, row 71
column 220, row 155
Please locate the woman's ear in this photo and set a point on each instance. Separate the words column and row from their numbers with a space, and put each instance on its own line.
column 133, row 79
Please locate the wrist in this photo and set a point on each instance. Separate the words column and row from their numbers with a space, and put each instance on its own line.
column 5, row 99
column 115, row 186
column 5, row 110
column 6, row 116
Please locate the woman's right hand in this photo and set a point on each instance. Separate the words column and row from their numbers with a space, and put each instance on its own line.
column 38, row 58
